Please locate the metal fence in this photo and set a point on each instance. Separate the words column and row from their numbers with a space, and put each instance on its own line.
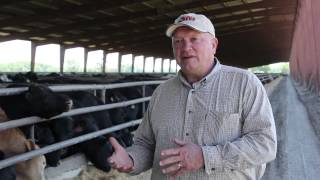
column 99, row 90
column 64, row 88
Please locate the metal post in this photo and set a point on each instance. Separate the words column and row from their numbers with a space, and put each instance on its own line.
column 119, row 62
column 102, row 95
column 133, row 60
column 154, row 62
column 32, row 133
column 143, row 95
column 104, row 61
column 162, row 60
column 144, row 64
column 33, row 55
column 62, row 53
column 85, row 60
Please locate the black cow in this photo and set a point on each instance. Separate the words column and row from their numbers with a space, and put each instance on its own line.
column 40, row 101
column 131, row 112
column 121, row 115
column 97, row 150
column 24, row 78
column 8, row 173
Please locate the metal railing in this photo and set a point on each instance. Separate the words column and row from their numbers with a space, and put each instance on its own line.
column 64, row 88
column 67, row 88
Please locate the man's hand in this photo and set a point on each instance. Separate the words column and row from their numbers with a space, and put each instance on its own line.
column 120, row 159
column 177, row 161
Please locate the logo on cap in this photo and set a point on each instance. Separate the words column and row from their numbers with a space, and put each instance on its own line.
column 187, row 18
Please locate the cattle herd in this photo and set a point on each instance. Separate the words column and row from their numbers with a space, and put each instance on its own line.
column 39, row 100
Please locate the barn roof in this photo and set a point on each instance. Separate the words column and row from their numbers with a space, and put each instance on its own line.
column 250, row 32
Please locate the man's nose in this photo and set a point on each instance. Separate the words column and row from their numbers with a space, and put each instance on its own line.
column 186, row 45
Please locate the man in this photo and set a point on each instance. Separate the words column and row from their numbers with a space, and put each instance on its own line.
column 210, row 122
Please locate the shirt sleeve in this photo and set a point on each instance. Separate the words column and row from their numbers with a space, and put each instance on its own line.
column 142, row 150
column 257, row 144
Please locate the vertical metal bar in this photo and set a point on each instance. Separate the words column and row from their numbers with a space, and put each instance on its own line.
column 33, row 55
column 133, row 60
column 143, row 95
column 154, row 62
column 119, row 62
column 162, row 60
column 104, row 61
column 85, row 60
column 144, row 64
column 169, row 65
column 62, row 53
column 101, row 94
column 32, row 133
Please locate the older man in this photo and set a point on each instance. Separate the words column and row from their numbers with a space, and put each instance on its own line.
column 209, row 122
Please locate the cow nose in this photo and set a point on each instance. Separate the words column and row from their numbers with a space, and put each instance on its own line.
column 69, row 104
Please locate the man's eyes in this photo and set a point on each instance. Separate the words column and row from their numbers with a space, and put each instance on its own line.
column 194, row 39
column 177, row 41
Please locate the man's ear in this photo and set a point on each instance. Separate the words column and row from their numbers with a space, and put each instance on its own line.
column 214, row 42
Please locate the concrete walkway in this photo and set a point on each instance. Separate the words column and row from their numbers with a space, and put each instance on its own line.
column 298, row 155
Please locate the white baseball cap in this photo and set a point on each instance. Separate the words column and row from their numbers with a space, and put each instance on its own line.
column 197, row 22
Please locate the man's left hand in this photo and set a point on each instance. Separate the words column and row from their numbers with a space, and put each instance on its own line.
column 177, row 161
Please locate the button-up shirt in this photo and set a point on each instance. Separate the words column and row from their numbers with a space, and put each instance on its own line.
column 227, row 113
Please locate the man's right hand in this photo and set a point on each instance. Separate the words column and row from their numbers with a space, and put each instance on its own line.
column 120, row 159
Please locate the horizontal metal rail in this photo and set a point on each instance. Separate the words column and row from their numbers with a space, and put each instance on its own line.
column 28, row 155
column 64, row 88
column 34, row 119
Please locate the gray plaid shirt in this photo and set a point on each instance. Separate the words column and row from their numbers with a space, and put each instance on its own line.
column 227, row 113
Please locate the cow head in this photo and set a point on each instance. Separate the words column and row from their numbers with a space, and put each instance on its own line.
column 46, row 103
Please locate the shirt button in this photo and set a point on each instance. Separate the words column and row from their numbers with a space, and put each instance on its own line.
column 190, row 111
column 212, row 169
column 232, row 169
column 187, row 134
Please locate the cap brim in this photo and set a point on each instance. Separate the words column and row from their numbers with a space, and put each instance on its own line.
column 173, row 27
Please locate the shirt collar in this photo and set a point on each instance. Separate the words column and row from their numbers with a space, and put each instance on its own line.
column 204, row 80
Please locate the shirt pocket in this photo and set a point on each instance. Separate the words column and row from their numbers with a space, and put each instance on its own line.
column 221, row 127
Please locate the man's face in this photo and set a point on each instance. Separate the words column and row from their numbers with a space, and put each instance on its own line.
column 193, row 50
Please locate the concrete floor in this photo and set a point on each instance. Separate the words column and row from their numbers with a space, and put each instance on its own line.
column 298, row 155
